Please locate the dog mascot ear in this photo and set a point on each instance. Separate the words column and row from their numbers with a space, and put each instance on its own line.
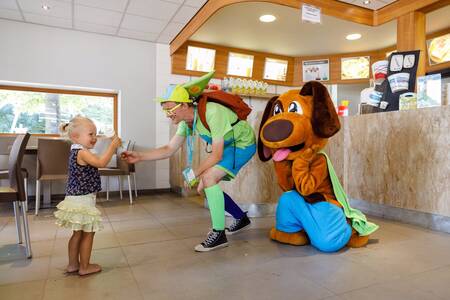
column 325, row 121
column 265, row 155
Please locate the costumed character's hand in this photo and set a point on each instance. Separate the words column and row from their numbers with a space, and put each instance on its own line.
column 283, row 170
column 309, row 154
column 309, row 170
column 130, row 157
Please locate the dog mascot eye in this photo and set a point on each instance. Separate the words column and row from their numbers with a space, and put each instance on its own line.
column 295, row 108
column 277, row 109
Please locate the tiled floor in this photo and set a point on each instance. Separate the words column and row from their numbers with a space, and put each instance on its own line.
column 146, row 251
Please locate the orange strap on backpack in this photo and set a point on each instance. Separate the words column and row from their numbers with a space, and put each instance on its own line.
column 233, row 102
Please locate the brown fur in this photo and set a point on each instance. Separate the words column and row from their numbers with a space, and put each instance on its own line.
column 303, row 169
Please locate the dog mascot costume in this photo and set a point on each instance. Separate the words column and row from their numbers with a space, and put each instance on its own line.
column 313, row 208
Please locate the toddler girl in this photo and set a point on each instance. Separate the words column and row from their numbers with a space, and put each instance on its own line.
column 78, row 212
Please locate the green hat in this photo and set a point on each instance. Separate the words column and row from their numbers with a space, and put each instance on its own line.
column 175, row 94
column 196, row 86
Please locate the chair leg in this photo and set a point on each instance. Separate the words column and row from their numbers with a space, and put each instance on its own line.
column 25, row 182
column 26, row 230
column 38, row 196
column 120, row 186
column 107, row 188
column 18, row 224
column 135, row 185
column 130, row 191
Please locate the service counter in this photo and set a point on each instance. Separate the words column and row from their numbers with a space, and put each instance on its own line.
column 393, row 164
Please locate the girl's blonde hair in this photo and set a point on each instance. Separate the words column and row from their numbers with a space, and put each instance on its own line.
column 68, row 128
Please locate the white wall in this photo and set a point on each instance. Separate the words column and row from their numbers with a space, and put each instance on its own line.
column 38, row 54
column 351, row 92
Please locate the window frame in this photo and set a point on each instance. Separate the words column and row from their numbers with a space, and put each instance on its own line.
column 205, row 48
column 240, row 53
column 115, row 97
column 369, row 59
column 277, row 59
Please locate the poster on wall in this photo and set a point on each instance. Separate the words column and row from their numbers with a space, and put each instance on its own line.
column 439, row 49
column 316, row 70
column 355, row 67
column 429, row 91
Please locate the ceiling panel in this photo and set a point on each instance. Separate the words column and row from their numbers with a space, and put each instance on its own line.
column 117, row 5
column 153, row 9
column 10, row 14
column 8, row 4
column 164, row 39
column 143, row 24
column 371, row 4
column 438, row 19
column 195, row 3
column 185, row 14
column 84, row 26
column 172, row 29
column 97, row 16
column 57, row 9
column 147, row 36
column 48, row 20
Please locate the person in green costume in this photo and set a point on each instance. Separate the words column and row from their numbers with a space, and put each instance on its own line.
column 233, row 145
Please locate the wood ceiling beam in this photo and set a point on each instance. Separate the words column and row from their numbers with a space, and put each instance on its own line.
column 329, row 7
column 403, row 7
column 333, row 8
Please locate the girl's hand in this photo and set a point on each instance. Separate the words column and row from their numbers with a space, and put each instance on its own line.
column 116, row 142
column 131, row 157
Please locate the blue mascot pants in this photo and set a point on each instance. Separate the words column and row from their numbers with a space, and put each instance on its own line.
column 325, row 223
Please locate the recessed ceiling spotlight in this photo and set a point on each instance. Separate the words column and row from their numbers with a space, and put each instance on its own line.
column 267, row 18
column 353, row 36
column 45, row 7
column 366, row 2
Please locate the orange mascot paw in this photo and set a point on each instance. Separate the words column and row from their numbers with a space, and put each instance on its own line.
column 357, row 241
column 297, row 238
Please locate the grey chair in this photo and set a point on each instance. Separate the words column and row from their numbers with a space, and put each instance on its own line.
column 132, row 168
column 121, row 169
column 52, row 163
column 6, row 143
column 15, row 192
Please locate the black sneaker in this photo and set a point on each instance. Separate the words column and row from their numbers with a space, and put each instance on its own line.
column 215, row 239
column 238, row 225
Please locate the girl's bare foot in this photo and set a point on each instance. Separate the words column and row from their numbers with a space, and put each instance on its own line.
column 90, row 269
column 72, row 269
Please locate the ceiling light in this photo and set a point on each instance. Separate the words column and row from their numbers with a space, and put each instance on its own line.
column 267, row 18
column 45, row 7
column 353, row 36
column 366, row 2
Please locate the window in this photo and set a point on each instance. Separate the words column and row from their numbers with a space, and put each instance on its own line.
column 355, row 67
column 439, row 49
column 41, row 111
column 275, row 69
column 240, row 64
column 200, row 59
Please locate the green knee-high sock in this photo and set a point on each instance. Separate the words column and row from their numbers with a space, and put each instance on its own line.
column 216, row 203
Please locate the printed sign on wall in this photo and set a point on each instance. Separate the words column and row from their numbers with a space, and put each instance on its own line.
column 316, row 70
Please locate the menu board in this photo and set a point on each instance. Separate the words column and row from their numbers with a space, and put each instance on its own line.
column 355, row 67
column 439, row 49
column 316, row 70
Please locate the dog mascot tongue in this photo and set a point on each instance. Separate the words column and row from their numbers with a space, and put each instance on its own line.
column 313, row 208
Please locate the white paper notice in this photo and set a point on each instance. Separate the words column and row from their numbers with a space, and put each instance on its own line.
column 311, row 14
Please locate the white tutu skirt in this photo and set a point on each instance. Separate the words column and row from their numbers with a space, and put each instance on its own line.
column 79, row 213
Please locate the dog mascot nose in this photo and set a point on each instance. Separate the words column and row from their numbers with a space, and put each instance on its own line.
column 277, row 130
